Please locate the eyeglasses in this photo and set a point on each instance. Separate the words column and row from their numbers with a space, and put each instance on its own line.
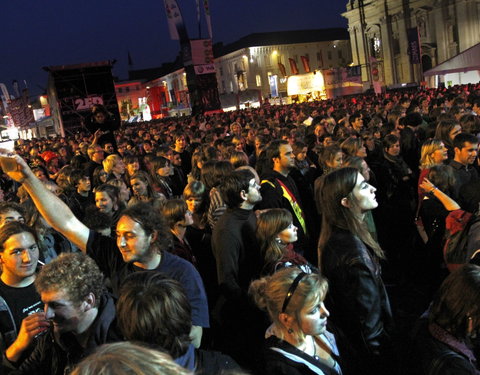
column 253, row 184
column 291, row 290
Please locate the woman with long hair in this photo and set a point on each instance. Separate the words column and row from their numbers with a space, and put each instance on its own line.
column 276, row 234
column 349, row 258
column 162, row 169
column 446, row 131
column 143, row 191
column 298, row 341
column 178, row 218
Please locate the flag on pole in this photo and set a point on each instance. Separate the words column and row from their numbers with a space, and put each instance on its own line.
column 130, row 61
column 206, row 8
column 282, row 69
column 176, row 27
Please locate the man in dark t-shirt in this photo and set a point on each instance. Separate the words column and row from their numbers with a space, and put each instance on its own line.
column 142, row 238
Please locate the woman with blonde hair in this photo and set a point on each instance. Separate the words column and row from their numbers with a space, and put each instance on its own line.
column 298, row 342
column 114, row 166
column 433, row 153
column 275, row 234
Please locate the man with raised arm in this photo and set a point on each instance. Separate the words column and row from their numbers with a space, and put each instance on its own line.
column 142, row 237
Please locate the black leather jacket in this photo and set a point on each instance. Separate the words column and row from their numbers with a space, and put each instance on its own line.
column 357, row 299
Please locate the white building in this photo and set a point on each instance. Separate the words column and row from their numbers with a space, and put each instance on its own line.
column 378, row 28
column 252, row 66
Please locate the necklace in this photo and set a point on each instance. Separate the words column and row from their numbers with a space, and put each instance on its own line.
column 315, row 356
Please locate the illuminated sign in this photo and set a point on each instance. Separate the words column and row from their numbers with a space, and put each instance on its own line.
column 204, row 69
column 87, row 103
column 304, row 84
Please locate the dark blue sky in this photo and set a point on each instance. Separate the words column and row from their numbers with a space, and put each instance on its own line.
column 57, row 32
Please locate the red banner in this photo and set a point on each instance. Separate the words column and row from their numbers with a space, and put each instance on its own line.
column 282, row 69
column 293, row 66
column 306, row 64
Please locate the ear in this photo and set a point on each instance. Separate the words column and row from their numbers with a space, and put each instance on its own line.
column 286, row 320
column 89, row 302
column 345, row 203
column 243, row 195
column 153, row 236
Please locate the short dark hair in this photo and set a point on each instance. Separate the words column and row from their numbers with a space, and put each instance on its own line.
column 233, row 185
column 173, row 211
column 12, row 228
column 11, row 206
column 390, row 140
column 273, row 150
column 462, row 138
column 77, row 175
column 155, row 310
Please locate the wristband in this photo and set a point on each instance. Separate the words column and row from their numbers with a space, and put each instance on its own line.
column 433, row 189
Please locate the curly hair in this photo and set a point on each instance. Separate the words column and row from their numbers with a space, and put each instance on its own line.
column 76, row 273
column 155, row 310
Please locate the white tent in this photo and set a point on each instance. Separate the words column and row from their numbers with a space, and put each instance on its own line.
column 460, row 69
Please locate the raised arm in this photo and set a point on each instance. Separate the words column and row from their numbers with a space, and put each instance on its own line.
column 448, row 203
column 52, row 208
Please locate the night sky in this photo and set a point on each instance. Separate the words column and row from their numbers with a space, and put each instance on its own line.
column 61, row 32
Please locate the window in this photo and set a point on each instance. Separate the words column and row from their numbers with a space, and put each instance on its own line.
column 329, row 55
column 258, row 78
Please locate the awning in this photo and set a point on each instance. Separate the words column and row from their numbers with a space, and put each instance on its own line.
column 464, row 62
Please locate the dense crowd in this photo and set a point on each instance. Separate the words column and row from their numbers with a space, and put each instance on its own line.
column 296, row 239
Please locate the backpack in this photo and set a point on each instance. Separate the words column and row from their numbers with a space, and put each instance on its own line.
column 457, row 226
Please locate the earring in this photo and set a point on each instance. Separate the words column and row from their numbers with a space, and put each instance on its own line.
column 290, row 331
column 278, row 240
column 470, row 331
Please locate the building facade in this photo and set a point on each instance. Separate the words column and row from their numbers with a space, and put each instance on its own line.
column 259, row 64
column 379, row 30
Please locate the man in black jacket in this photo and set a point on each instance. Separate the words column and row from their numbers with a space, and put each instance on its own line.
column 238, row 263
column 81, row 313
column 280, row 191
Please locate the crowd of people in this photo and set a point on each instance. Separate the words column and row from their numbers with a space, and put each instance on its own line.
column 295, row 239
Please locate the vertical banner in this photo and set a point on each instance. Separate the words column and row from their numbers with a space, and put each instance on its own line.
column 5, row 96
column 293, row 66
column 414, row 48
column 282, row 69
column 206, row 8
column 273, row 85
column 375, row 74
column 306, row 63
column 176, row 26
